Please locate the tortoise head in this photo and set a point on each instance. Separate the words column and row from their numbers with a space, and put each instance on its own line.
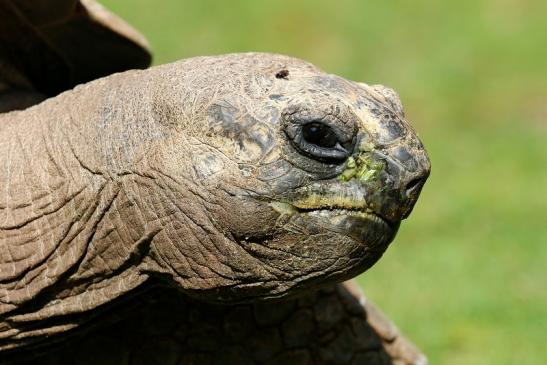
column 307, row 175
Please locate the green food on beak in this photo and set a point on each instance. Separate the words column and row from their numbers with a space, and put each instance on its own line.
column 362, row 168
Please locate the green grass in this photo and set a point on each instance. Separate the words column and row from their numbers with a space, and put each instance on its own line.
column 466, row 278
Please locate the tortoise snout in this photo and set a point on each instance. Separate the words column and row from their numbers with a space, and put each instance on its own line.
column 410, row 192
column 414, row 186
column 401, row 184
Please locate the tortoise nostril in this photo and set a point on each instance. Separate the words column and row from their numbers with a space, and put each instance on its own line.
column 414, row 185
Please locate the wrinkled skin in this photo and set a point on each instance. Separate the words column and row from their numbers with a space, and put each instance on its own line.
column 197, row 175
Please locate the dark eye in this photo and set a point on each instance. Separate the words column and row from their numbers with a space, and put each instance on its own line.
column 327, row 136
column 318, row 141
column 319, row 134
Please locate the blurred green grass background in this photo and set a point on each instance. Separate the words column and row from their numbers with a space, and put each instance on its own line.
column 466, row 278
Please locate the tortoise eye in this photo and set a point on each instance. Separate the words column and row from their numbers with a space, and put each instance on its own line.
column 319, row 134
column 318, row 141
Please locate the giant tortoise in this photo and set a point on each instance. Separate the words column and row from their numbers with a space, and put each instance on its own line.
column 205, row 211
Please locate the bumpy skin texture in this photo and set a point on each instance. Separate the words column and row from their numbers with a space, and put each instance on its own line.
column 333, row 326
column 196, row 175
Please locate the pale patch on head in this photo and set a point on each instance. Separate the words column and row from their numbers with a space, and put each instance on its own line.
column 237, row 133
column 207, row 165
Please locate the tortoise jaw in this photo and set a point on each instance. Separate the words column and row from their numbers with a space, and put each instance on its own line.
column 350, row 201
column 351, row 196
column 354, row 220
column 362, row 225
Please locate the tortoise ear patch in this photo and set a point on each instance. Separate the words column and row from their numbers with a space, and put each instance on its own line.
column 282, row 74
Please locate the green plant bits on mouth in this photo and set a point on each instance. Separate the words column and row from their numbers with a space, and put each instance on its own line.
column 350, row 170
column 363, row 168
column 351, row 163
column 367, row 175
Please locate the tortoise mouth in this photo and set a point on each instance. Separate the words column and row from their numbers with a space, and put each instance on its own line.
column 340, row 210
column 353, row 220
column 362, row 225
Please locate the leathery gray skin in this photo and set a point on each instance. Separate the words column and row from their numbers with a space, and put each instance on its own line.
column 197, row 174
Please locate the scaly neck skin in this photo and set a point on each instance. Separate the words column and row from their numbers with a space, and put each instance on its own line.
column 70, row 236
column 94, row 204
